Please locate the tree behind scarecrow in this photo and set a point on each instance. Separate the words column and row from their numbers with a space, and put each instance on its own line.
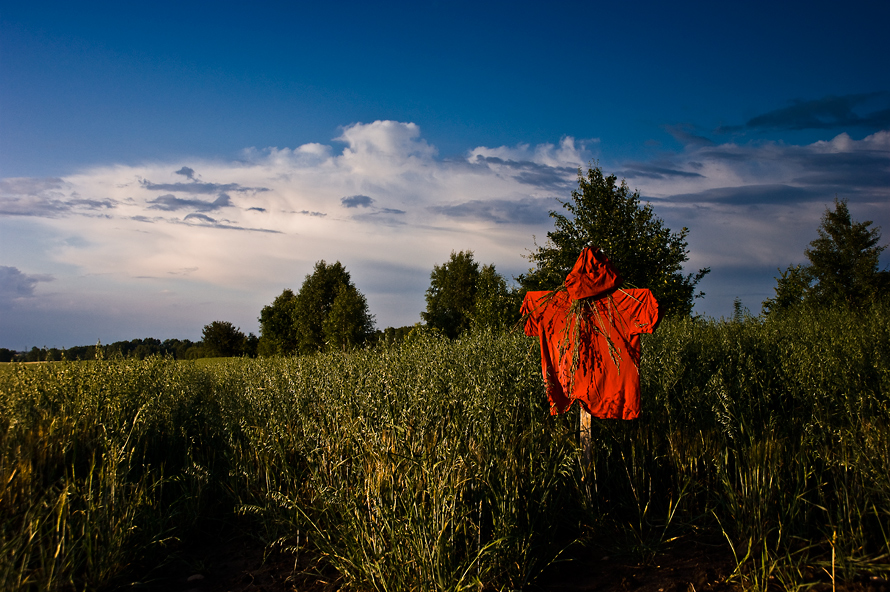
column 606, row 214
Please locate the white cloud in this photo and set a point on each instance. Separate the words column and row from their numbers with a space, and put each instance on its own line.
column 385, row 139
column 565, row 154
column 256, row 226
column 249, row 228
column 759, row 205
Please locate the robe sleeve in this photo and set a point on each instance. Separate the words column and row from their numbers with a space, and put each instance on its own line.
column 531, row 311
column 641, row 311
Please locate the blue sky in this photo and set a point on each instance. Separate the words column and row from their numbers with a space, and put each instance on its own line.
column 163, row 166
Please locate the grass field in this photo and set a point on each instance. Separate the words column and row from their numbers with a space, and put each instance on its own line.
column 434, row 465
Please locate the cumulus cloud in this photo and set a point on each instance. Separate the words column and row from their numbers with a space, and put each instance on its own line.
column 388, row 139
column 773, row 172
column 162, row 216
column 568, row 153
column 546, row 167
column 241, row 226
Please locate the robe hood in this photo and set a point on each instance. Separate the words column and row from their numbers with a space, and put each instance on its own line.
column 592, row 276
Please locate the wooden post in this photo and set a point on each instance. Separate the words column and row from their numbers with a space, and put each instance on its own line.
column 585, row 436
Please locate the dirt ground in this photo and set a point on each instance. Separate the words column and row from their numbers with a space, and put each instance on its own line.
column 236, row 564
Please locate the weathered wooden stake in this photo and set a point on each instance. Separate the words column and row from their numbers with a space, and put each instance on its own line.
column 585, row 436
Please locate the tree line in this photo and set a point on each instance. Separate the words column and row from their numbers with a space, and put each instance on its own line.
column 180, row 349
column 329, row 313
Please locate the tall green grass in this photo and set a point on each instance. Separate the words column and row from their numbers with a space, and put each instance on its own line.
column 780, row 431
column 434, row 465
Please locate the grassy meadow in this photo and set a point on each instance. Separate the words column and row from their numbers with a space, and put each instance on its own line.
column 434, row 464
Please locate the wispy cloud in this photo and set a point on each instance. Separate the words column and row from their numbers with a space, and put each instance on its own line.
column 31, row 186
column 749, row 195
column 502, row 211
column 760, row 203
column 829, row 112
column 15, row 284
column 171, row 203
column 652, row 171
column 184, row 271
column 199, row 188
column 200, row 218
column 207, row 222
column 840, row 165
column 688, row 134
column 48, row 197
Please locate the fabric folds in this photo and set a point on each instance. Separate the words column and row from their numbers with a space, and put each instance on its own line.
column 590, row 338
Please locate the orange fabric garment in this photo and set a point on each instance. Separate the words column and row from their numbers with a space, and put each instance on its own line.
column 606, row 378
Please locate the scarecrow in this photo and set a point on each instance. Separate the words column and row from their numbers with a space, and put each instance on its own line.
column 590, row 330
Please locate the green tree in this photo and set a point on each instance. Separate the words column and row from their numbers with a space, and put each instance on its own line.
column 844, row 259
column 791, row 288
column 497, row 306
column 314, row 302
column 451, row 297
column 327, row 313
column 348, row 322
column 277, row 334
column 606, row 214
column 843, row 266
column 223, row 340
column 328, row 289
column 393, row 335
column 251, row 344
column 35, row 355
column 462, row 297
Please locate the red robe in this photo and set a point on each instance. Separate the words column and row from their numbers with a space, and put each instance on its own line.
column 606, row 378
